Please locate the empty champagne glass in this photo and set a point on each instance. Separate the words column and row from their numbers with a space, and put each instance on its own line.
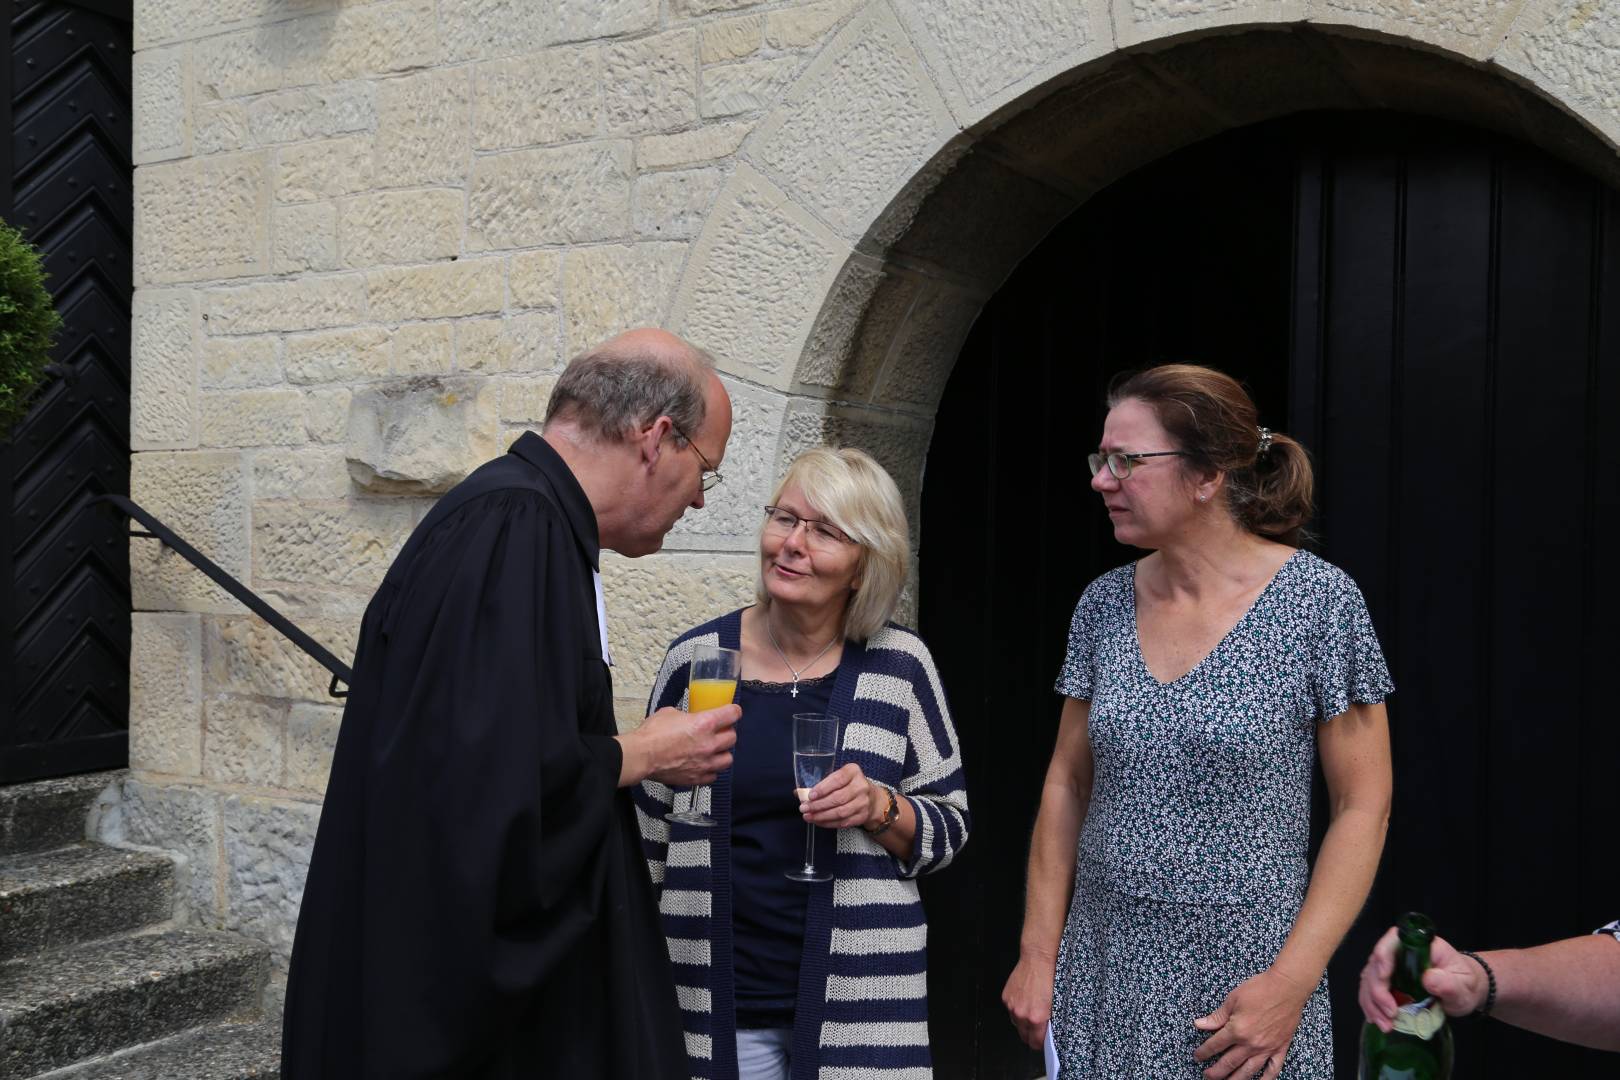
column 711, row 682
column 815, row 748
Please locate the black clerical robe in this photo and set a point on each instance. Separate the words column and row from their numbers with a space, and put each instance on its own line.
column 477, row 904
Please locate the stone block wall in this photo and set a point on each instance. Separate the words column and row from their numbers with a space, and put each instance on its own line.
column 370, row 232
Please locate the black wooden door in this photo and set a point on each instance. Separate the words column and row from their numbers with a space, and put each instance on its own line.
column 1433, row 311
column 64, row 585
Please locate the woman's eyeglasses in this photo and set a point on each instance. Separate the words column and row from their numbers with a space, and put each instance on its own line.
column 818, row 534
column 1119, row 462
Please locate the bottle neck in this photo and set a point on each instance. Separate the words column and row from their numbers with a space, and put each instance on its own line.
column 1411, row 961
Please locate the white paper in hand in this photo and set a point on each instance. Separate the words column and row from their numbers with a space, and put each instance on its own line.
column 1051, row 1055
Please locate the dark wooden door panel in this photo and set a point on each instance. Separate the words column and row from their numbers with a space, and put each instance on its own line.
column 64, row 589
column 1434, row 311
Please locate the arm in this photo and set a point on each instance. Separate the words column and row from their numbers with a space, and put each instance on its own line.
column 1258, row 1018
column 1065, row 797
column 1568, row 990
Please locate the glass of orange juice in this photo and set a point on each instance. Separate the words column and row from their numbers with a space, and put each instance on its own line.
column 711, row 682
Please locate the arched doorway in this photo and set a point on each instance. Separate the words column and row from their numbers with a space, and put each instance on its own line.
column 1435, row 311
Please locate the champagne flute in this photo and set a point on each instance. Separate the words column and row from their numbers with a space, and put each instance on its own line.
column 711, row 682
column 815, row 750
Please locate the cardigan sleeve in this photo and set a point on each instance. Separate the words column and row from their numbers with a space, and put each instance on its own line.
column 933, row 780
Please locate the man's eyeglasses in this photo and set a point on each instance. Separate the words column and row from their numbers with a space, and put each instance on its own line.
column 823, row 535
column 1120, row 463
column 710, row 475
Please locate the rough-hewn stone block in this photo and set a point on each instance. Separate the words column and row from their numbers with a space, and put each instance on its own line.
column 672, row 205
column 326, row 413
column 899, row 443
column 801, row 27
column 926, row 348
column 239, row 363
column 515, row 343
column 183, row 821
column 239, row 64
column 560, row 195
column 653, row 600
column 279, row 306
column 424, row 128
column 533, row 280
column 436, row 292
column 328, row 545
column 337, row 356
column 852, row 331
column 202, row 218
column 269, row 417
column 245, row 655
column 359, row 41
column 1569, row 48
column 305, row 238
column 707, row 143
column 423, row 349
column 158, row 112
column 709, row 7
column 243, row 741
column 420, row 436
column 203, row 497
column 165, row 693
column 316, row 475
column 748, row 86
column 219, row 127
column 990, row 46
column 650, row 84
column 483, row 29
column 863, row 120
column 523, row 401
column 731, row 39
column 545, row 97
column 401, row 227
column 317, row 113
column 311, row 736
column 267, row 846
column 755, row 234
column 323, row 170
column 163, row 380
column 163, row 20
column 608, row 289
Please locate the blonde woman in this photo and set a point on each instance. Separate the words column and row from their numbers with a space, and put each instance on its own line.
column 777, row 978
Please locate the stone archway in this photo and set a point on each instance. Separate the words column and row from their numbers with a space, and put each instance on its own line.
column 925, row 152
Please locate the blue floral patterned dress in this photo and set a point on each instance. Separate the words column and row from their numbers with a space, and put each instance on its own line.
column 1192, row 863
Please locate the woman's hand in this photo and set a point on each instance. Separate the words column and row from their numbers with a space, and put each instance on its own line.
column 1253, row 1027
column 844, row 800
column 1457, row 982
column 1028, row 997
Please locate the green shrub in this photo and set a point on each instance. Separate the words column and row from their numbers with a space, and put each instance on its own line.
column 28, row 326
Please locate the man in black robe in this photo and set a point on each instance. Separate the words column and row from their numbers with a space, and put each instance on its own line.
column 477, row 904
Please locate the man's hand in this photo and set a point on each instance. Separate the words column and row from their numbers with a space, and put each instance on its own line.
column 1457, row 982
column 678, row 748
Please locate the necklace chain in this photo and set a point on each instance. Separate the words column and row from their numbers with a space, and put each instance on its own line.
column 770, row 634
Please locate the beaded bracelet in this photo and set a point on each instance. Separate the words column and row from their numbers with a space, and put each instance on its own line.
column 1490, row 983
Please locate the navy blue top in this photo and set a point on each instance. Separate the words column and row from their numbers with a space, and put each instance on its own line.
column 767, row 839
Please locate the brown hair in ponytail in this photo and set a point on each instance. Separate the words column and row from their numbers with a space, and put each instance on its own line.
column 1214, row 421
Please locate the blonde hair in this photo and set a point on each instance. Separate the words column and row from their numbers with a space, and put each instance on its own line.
column 851, row 490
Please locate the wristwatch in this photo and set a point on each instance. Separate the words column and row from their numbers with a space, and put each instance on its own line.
column 891, row 813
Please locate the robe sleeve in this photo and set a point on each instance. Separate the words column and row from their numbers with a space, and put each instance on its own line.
column 652, row 798
column 488, row 808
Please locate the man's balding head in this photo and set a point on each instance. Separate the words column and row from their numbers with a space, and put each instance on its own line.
column 618, row 387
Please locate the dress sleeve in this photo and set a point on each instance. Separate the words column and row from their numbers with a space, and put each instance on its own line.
column 1077, row 678
column 652, row 798
column 1349, row 663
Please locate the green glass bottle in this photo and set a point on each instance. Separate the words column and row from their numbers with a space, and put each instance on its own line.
column 1419, row 1046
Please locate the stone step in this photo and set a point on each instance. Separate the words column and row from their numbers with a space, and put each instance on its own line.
column 243, row 1051
column 48, row 813
column 79, row 1003
column 52, row 899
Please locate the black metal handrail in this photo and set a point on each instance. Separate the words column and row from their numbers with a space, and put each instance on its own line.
column 160, row 532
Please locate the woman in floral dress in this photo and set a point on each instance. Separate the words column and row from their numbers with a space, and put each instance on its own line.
column 1173, row 927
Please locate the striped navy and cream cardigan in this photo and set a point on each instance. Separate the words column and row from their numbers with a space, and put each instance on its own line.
column 862, row 1009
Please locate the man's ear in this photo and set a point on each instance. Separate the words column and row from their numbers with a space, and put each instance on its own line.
column 650, row 439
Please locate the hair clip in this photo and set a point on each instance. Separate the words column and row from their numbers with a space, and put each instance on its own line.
column 1265, row 442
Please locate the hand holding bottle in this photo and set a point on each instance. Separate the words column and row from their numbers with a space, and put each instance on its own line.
column 1456, row 982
